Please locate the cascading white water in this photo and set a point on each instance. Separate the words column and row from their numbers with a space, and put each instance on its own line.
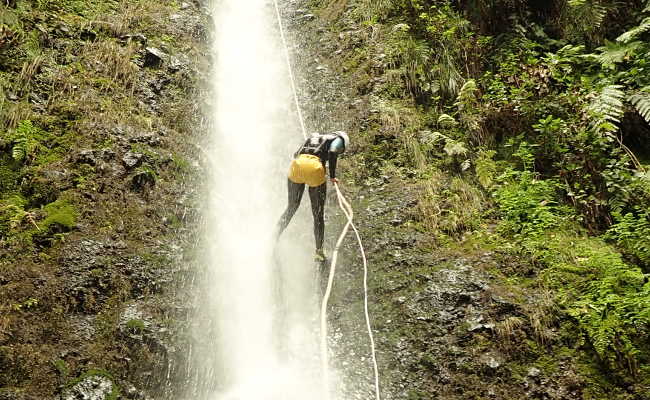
column 257, row 333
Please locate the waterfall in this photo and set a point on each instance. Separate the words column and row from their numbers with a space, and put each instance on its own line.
column 256, row 335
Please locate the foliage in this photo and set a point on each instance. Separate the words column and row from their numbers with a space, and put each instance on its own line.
column 607, row 109
column 642, row 104
column 527, row 204
column 25, row 141
column 632, row 233
column 607, row 297
column 135, row 325
column 60, row 214
column 486, row 168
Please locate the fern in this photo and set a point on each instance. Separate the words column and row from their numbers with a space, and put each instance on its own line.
column 614, row 53
column 642, row 104
column 25, row 141
column 446, row 121
column 467, row 94
column 608, row 106
column 590, row 12
column 20, row 149
column 635, row 32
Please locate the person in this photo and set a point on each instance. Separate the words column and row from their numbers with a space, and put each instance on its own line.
column 308, row 168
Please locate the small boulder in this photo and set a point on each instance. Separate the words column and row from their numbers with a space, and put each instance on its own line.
column 91, row 388
column 154, row 57
column 132, row 160
column 135, row 37
column 534, row 372
column 87, row 157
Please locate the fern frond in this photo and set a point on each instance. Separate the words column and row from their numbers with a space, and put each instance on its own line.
column 613, row 53
column 19, row 150
column 455, row 148
column 401, row 28
column 642, row 104
column 466, row 94
column 446, row 121
column 635, row 32
column 609, row 104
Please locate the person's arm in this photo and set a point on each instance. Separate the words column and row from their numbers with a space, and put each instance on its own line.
column 333, row 158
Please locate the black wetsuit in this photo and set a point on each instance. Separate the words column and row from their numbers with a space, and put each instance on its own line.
column 317, row 194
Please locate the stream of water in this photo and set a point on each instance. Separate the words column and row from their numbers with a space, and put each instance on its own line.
column 258, row 328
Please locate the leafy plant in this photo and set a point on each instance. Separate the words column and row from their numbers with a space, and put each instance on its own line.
column 633, row 33
column 642, row 104
column 25, row 142
column 632, row 232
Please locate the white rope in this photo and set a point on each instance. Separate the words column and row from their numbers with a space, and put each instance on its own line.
column 349, row 213
column 324, row 304
column 293, row 79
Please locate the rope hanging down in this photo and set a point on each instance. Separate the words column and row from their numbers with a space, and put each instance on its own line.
column 349, row 213
column 292, row 78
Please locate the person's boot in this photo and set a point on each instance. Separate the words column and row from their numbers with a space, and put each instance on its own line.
column 319, row 256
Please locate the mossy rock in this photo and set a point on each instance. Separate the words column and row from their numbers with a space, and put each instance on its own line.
column 61, row 216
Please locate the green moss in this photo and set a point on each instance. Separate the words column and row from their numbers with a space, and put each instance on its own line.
column 136, row 325
column 62, row 367
column 9, row 173
column 60, row 213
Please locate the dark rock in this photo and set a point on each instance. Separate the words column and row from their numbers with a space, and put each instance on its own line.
column 132, row 160
column 91, row 388
column 143, row 179
column 148, row 138
column 88, row 35
column 154, row 57
column 87, row 157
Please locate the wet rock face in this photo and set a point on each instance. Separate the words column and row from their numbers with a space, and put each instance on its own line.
column 132, row 160
column 154, row 57
column 90, row 388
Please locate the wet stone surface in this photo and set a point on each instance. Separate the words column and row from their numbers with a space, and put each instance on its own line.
column 90, row 388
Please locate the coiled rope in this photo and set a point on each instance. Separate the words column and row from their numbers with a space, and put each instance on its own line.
column 349, row 213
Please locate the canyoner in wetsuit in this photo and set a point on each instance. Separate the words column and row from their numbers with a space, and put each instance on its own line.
column 308, row 167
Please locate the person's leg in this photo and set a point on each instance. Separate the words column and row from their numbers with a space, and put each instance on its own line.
column 295, row 191
column 317, row 196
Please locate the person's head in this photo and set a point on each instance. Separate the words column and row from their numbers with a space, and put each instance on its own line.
column 341, row 143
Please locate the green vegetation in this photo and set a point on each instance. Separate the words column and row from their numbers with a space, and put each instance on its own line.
column 526, row 126
column 76, row 95
column 135, row 326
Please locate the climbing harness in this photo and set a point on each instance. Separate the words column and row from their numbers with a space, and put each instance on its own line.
column 292, row 78
column 349, row 213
